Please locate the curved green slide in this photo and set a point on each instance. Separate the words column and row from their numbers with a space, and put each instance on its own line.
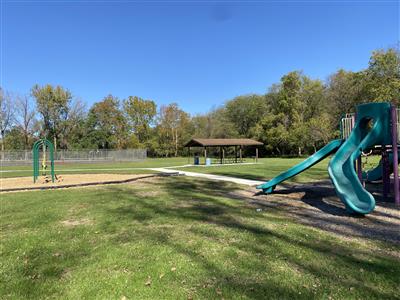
column 371, row 128
column 324, row 152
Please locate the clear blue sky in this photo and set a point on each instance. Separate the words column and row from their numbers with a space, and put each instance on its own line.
column 198, row 54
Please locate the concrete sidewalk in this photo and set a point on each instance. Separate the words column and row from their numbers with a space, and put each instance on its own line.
column 210, row 176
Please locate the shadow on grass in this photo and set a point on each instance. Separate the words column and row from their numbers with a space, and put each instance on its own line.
column 274, row 257
column 201, row 202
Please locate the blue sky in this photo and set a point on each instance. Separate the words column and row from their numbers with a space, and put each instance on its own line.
column 198, row 54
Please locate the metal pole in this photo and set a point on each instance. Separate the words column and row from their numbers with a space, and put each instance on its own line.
column 395, row 156
column 385, row 173
column 359, row 166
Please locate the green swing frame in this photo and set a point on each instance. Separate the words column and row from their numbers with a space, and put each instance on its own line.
column 42, row 143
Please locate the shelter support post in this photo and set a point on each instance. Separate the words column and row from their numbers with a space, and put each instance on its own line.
column 240, row 154
column 256, row 154
column 235, row 154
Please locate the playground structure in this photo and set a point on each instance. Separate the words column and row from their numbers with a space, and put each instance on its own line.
column 373, row 127
column 43, row 144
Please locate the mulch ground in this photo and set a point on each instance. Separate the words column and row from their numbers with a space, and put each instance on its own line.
column 317, row 205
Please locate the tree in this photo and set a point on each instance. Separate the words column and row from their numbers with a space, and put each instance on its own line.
column 245, row 111
column 343, row 91
column 140, row 114
column 289, row 98
column 321, row 130
column 14, row 139
column 106, row 125
column 272, row 132
column 214, row 124
column 25, row 118
column 6, row 116
column 53, row 104
column 172, row 128
column 383, row 77
column 72, row 129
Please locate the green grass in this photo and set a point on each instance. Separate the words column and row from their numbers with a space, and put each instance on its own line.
column 181, row 238
column 111, row 167
column 268, row 168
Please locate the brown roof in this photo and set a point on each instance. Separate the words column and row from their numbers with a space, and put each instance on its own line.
column 222, row 142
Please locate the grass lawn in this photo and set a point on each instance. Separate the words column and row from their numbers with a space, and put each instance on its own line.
column 178, row 238
column 268, row 168
column 110, row 167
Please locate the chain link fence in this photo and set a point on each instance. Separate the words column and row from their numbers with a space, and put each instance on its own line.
column 9, row 158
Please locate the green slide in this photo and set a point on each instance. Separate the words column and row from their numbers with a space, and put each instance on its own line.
column 372, row 128
column 330, row 148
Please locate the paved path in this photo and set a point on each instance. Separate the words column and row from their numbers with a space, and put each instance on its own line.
column 210, row 176
column 165, row 170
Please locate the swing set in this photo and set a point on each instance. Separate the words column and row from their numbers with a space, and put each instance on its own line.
column 43, row 144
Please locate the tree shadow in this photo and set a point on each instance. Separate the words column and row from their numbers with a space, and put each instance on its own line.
column 324, row 210
column 207, row 202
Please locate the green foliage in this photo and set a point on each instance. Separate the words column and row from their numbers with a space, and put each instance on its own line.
column 296, row 115
column 383, row 77
column 173, row 130
column 14, row 139
column 106, row 125
column 140, row 114
column 53, row 104
column 245, row 112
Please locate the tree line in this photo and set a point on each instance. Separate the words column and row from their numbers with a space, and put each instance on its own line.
column 296, row 115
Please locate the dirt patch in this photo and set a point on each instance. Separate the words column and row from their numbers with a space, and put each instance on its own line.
column 66, row 181
column 73, row 223
column 317, row 205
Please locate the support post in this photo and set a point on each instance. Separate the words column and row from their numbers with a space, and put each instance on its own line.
column 223, row 154
column 359, row 169
column 240, row 154
column 395, row 156
column 256, row 154
column 359, row 163
column 385, row 173
column 220, row 154
column 235, row 154
column 188, row 155
column 205, row 155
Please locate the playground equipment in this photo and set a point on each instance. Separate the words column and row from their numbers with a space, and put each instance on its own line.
column 375, row 124
column 44, row 144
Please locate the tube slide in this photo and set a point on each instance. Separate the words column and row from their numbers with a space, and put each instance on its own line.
column 324, row 152
column 371, row 129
